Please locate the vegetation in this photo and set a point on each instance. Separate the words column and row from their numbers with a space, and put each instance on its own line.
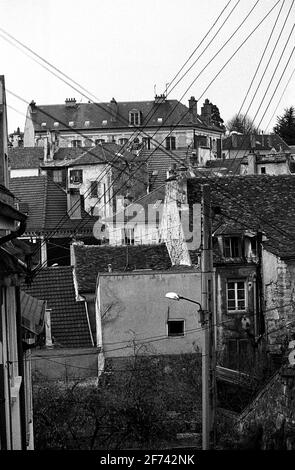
column 243, row 124
column 143, row 405
column 285, row 126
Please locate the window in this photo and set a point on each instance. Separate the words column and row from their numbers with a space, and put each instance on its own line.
column 123, row 141
column 99, row 141
column 134, row 118
column 236, row 295
column 263, row 170
column 76, row 176
column 175, row 327
column 128, row 236
column 76, row 143
column 170, row 143
column 232, row 247
column 146, row 142
column 93, row 188
column 57, row 176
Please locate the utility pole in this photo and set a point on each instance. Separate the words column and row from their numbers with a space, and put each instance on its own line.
column 208, row 349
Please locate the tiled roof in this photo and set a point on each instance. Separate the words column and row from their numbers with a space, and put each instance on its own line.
column 171, row 111
column 160, row 161
column 258, row 202
column 90, row 260
column 262, row 142
column 25, row 157
column 231, row 165
column 143, row 208
column 47, row 206
column 69, row 324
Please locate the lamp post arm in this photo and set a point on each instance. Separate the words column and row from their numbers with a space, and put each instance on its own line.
column 192, row 301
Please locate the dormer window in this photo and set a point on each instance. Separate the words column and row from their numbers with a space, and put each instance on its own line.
column 134, row 118
column 87, row 123
column 232, row 247
column 56, row 124
column 104, row 122
column 43, row 124
column 71, row 123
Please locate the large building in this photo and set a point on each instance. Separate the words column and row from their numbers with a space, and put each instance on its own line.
column 134, row 124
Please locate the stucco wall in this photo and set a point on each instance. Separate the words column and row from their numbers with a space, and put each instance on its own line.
column 133, row 306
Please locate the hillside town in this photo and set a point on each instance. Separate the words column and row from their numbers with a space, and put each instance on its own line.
column 147, row 270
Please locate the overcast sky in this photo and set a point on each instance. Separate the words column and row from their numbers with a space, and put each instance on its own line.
column 126, row 49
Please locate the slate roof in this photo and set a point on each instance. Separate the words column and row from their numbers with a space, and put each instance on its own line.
column 47, row 206
column 254, row 202
column 69, row 324
column 262, row 142
column 171, row 111
column 104, row 153
column 91, row 260
column 25, row 157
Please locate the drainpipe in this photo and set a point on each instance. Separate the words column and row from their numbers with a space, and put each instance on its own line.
column 21, row 370
column 3, row 437
column 260, row 293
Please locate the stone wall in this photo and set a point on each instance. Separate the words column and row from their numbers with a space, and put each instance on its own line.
column 269, row 422
column 279, row 296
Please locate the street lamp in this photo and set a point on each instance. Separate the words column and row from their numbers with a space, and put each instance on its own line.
column 205, row 372
column 175, row 296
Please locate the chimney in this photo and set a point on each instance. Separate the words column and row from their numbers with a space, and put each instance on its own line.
column 114, row 110
column 252, row 141
column 252, row 167
column 206, row 111
column 160, row 99
column 50, row 146
column 192, row 106
column 33, row 107
column 70, row 102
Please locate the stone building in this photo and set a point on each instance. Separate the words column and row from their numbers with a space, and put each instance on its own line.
column 133, row 125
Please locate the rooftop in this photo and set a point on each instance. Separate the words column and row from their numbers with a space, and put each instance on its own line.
column 253, row 202
column 93, row 259
column 46, row 204
column 114, row 115
column 68, row 318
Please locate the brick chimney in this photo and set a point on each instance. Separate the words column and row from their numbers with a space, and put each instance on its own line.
column 206, row 111
column 192, row 106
